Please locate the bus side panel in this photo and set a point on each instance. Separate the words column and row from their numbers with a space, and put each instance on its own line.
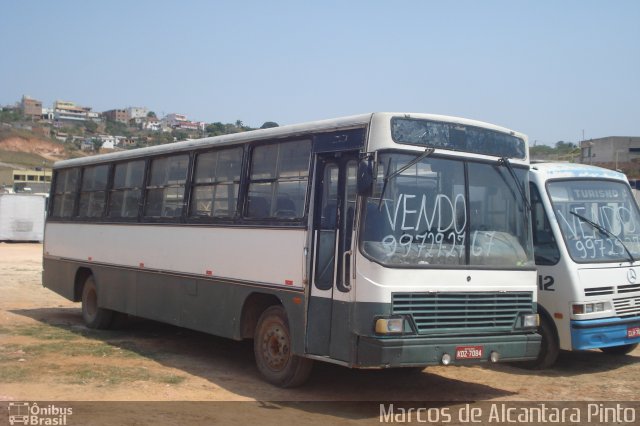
column 159, row 296
column 211, row 306
column 555, row 290
column 59, row 276
column 116, row 288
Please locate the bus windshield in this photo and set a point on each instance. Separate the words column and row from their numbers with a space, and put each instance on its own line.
column 436, row 213
column 608, row 204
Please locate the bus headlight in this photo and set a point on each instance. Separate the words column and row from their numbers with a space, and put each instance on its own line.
column 390, row 325
column 588, row 308
column 530, row 320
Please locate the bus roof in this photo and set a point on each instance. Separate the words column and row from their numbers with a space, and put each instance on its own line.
column 293, row 130
column 559, row 170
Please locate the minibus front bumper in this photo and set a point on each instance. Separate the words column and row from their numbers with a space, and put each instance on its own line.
column 602, row 333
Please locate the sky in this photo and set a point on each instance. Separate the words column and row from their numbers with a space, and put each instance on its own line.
column 554, row 70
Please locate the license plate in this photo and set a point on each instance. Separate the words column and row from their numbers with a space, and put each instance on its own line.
column 633, row 332
column 469, row 352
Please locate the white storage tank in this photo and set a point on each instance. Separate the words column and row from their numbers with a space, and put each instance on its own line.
column 22, row 217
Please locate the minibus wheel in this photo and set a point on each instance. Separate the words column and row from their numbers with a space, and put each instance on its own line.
column 549, row 347
column 619, row 350
column 272, row 349
column 94, row 316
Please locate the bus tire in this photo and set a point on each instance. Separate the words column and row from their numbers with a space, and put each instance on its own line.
column 93, row 315
column 549, row 347
column 619, row 350
column 272, row 349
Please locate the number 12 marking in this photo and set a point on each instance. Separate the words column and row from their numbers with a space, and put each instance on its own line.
column 546, row 283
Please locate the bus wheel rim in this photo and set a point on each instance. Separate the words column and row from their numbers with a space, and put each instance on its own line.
column 275, row 347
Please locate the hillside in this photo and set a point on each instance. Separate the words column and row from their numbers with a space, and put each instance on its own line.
column 27, row 152
column 30, row 151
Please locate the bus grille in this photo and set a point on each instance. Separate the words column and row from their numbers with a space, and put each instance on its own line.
column 627, row 306
column 463, row 313
column 600, row 291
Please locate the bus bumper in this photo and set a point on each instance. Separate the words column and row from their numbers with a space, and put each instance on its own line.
column 422, row 351
column 601, row 333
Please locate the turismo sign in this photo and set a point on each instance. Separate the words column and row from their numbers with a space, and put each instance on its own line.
column 608, row 194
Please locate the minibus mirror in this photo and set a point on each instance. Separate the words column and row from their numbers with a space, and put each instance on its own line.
column 365, row 177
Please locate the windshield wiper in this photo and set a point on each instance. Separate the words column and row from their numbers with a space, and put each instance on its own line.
column 504, row 161
column 388, row 176
column 606, row 232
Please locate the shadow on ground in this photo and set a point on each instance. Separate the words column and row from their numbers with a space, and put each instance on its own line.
column 230, row 365
column 574, row 363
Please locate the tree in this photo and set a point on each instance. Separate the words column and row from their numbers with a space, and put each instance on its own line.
column 215, row 129
column 91, row 126
column 10, row 114
column 541, row 150
column 160, row 138
column 269, row 124
column 151, row 114
column 564, row 147
column 117, row 128
column 562, row 151
column 180, row 135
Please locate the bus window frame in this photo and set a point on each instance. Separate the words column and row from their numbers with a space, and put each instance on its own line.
column 138, row 216
column 240, row 219
column 546, row 218
column 234, row 219
column 54, row 195
column 298, row 222
column 460, row 151
column 145, row 218
column 106, row 190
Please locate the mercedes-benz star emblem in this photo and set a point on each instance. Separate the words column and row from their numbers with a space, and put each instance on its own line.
column 631, row 275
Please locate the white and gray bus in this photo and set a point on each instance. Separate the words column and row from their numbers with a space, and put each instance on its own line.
column 586, row 231
column 371, row 241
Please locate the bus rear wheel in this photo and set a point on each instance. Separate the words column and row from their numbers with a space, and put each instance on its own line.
column 272, row 349
column 619, row 350
column 94, row 316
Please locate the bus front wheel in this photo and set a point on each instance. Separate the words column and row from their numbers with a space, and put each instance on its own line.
column 272, row 349
column 619, row 350
column 93, row 315
column 549, row 347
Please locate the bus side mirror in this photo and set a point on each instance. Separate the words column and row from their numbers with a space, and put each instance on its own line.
column 365, row 177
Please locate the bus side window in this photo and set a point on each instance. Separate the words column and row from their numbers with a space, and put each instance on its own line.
column 64, row 193
column 279, row 176
column 216, row 183
column 93, row 191
column 258, row 207
column 165, row 190
column 544, row 243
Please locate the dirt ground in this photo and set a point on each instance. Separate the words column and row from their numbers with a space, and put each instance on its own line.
column 43, row 147
column 47, row 354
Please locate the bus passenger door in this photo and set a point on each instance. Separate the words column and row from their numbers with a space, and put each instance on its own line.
column 328, row 329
